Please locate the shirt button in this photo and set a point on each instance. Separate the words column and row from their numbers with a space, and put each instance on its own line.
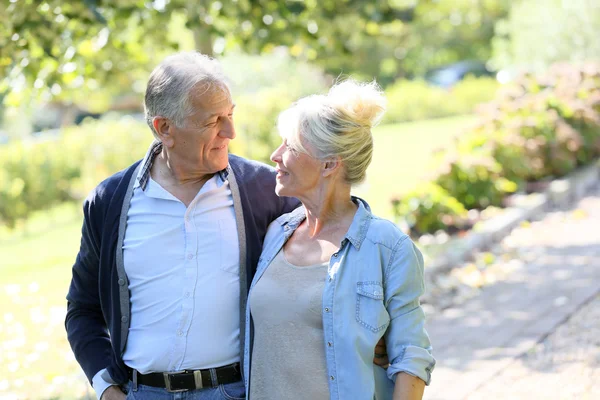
column 332, row 378
column 190, row 256
column 326, row 309
column 330, row 279
column 335, row 254
column 124, row 319
column 329, row 344
column 187, row 294
column 121, row 282
column 180, row 333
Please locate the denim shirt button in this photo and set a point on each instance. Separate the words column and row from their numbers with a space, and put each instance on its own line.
column 330, row 279
column 332, row 378
column 329, row 344
column 326, row 309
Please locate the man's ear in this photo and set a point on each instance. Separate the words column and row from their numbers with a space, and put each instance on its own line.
column 163, row 128
column 331, row 166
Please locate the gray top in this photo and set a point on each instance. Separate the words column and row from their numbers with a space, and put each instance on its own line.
column 288, row 354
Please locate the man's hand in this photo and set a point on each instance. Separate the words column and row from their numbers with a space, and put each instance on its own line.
column 381, row 357
column 113, row 393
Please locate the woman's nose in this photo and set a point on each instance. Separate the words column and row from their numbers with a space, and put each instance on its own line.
column 276, row 155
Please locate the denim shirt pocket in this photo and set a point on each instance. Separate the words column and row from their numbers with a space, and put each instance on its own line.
column 370, row 310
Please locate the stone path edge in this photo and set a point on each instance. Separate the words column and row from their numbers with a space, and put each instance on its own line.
column 560, row 193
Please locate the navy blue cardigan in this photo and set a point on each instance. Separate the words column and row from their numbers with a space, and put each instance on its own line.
column 94, row 318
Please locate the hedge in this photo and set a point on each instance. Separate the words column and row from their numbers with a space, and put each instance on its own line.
column 538, row 128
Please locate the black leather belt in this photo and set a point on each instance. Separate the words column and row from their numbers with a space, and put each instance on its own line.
column 189, row 380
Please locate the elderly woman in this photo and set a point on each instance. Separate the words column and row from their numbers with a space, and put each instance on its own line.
column 333, row 278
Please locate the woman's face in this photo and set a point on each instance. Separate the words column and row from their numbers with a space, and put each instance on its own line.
column 298, row 173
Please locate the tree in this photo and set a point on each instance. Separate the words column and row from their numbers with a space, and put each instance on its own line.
column 538, row 33
column 56, row 47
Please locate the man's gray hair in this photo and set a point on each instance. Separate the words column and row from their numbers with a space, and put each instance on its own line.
column 170, row 84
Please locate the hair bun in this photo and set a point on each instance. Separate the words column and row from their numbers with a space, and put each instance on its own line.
column 364, row 103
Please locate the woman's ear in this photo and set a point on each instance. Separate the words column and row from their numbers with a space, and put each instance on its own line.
column 331, row 166
column 162, row 127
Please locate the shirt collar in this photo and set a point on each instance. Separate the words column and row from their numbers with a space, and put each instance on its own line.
column 358, row 228
column 154, row 150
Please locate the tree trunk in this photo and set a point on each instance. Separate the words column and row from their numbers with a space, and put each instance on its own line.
column 203, row 39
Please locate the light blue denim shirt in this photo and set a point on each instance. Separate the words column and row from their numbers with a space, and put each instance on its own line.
column 372, row 290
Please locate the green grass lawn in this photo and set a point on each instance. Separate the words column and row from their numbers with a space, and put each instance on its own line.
column 402, row 157
column 35, row 359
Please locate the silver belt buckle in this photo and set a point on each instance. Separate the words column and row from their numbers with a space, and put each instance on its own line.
column 198, row 379
column 167, row 377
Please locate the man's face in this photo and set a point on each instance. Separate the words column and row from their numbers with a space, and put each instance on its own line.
column 202, row 141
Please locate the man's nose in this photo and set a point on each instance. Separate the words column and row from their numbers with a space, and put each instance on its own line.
column 227, row 129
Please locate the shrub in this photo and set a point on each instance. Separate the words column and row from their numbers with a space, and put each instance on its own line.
column 475, row 180
column 545, row 125
column 471, row 91
column 429, row 208
column 37, row 174
column 256, row 122
column 417, row 100
column 541, row 126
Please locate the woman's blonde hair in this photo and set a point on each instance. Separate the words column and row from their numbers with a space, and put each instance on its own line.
column 337, row 125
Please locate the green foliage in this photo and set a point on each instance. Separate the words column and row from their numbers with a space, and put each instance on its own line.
column 256, row 120
column 475, row 179
column 269, row 86
column 38, row 174
column 467, row 94
column 70, row 49
column 538, row 33
column 31, row 178
column 274, row 70
column 413, row 100
column 416, row 100
column 542, row 126
column 430, row 208
column 545, row 125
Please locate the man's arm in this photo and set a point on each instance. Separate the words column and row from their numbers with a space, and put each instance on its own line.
column 85, row 324
column 104, row 385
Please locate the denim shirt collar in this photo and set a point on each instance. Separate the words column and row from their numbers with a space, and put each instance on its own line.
column 358, row 228
column 146, row 165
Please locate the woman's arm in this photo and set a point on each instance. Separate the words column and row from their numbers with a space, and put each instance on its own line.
column 408, row 387
column 408, row 345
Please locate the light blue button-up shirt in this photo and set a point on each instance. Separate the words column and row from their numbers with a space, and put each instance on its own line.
column 372, row 290
column 182, row 264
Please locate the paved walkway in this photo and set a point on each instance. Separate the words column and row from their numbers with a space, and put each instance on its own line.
column 486, row 347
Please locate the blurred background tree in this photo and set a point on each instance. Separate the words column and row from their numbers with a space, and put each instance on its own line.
column 61, row 50
column 537, row 33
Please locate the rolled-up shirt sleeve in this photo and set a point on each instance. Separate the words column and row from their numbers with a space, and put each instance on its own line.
column 408, row 345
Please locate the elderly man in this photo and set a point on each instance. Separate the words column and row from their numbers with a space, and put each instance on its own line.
column 169, row 246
